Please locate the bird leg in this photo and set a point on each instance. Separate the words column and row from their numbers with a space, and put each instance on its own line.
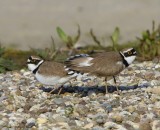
column 60, row 90
column 56, row 87
column 114, row 79
column 106, row 86
column 116, row 85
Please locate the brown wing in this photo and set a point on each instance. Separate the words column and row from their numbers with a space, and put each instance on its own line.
column 103, row 64
column 52, row 68
column 107, row 64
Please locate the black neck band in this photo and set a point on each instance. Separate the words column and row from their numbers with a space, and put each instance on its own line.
column 36, row 69
column 124, row 61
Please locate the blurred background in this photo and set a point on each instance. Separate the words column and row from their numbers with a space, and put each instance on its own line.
column 31, row 23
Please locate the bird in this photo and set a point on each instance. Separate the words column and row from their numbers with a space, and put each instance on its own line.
column 105, row 64
column 49, row 73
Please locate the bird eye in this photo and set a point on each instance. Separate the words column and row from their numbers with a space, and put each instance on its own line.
column 129, row 53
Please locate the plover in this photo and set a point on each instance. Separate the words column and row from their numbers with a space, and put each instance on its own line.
column 106, row 64
column 48, row 72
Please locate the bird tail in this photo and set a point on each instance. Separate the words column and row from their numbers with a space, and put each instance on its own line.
column 73, row 64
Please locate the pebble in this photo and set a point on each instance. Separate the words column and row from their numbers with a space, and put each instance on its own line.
column 131, row 109
column 117, row 118
column 23, row 105
column 31, row 122
column 58, row 101
column 155, row 83
column 111, row 125
column 41, row 120
column 156, row 125
column 145, row 126
column 2, row 123
column 98, row 128
column 100, row 119
column 88, row 126
column 59, row 118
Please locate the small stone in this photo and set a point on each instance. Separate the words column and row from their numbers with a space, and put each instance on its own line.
column 145, row 126
column 100, row 119
column 41, row 120
column 26, row 73
column 118, row 119
column 59, row 118
column 79, row 123
column 107, row 107
column 59, row 101
column 88, row 126
column 62, row 126
column 135, row 117
column 157, row 105
column 113, row 126
column 81, row 109
column 137, row 71
column 155, row 83
column 154, row 90
column 10, row 107
column 92, row 94
column 30, row 122
column 125, row 113
column 156, row 125
column 141, row 110
column 149, row 75
column 35, row 108
column 134, row 125
column 60, row 110
column 157, row 66
column 69, row 110
column 2, row 123
column 128, row 126
column 98, row 128
column 6, row 128
column 131, row 109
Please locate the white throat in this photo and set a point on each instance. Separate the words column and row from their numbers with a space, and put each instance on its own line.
column 32, row 67
column 130, row 59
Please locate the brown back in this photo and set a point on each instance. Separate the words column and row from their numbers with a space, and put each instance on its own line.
column 50, row 68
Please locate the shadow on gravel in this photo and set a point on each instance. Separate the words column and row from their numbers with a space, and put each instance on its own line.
column 84, row 90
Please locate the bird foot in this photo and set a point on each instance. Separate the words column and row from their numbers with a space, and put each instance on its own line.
column 56, row 87
column 118, row 91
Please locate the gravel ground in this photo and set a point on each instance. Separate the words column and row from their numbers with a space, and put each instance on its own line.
column 24, row 103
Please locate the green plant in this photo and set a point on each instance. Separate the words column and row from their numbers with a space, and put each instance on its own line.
column 94, row 37
column 5, row 64
column 67, row 39
column 150, row 43
column 47, row 53
column 2, row 50
column 114, row 38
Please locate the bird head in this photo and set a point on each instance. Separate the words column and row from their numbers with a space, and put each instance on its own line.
column 33, row 62
column 129, row 55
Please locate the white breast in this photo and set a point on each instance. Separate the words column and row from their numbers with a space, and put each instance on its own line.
column 52, row 80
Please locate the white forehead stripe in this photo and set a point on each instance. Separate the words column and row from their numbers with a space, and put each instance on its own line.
column 128, row 50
